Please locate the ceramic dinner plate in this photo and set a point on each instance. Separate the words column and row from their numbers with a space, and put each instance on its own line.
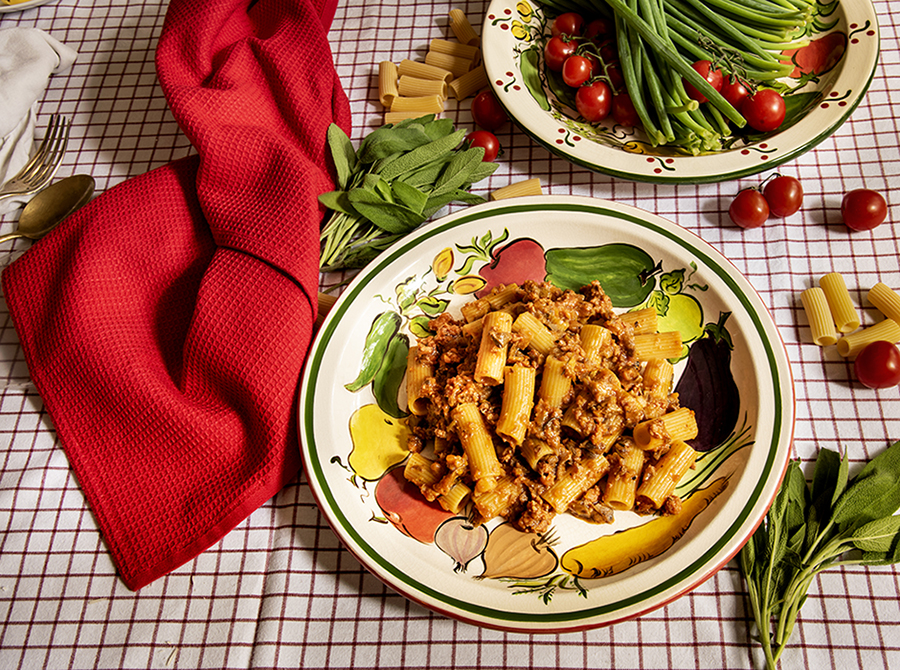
column 22, row 6
column 577, row 575
column 831, row 77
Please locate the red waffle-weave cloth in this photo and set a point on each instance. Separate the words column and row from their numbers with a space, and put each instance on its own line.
column 165, row 325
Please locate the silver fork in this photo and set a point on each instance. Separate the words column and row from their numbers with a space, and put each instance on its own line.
column 43, row 165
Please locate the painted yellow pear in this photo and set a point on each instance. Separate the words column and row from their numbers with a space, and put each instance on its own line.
column 379, row 442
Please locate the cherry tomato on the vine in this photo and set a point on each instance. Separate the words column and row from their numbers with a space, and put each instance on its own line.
column 569, row 23
column 749, row 209
column 623, row 111
column 598, row 29
column 556, row 52
column 576, row 70
column 705, row 69
column 878, row 365
column 764, row 110
column 487, row 111
column 594, row 101
column 734, row 91
column 488, row 141
column 863, row 209
column 784, row 194
column 616, row 78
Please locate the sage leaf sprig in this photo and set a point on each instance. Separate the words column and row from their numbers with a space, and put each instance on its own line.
column 834, row 520
column 397, row 179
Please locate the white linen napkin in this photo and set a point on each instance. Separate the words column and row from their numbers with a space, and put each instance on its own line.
column 28, row 58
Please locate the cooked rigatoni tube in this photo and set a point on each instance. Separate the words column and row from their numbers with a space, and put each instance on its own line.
column 555, row 383
column 473, row 311
column 575, row 481
column 642, row 321
column 419, row 70
column 843, row 312
column 533, row 450
column 497, row 501
column 491, row 359
column 458, row 66
column 666, row 474
column 658, row 345
column 462, row 28
column 501, row 295
column 850, row 345
column 658, row 377
column 678, row 425
column 469, row 83
column 477, row 445
column 417, row 372
column 517, row 403
column 538, row 336
column 594, row 339
column 623, row 480
column 821, row 322
column 416, row 87
column 420, row 471
column 454, row 499
column 518, row 189
column 885, row 300
column 387, row 82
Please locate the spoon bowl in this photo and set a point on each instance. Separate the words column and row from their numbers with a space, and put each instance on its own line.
column 45, row 210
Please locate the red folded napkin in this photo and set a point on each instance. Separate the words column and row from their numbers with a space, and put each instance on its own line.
column 165, row 325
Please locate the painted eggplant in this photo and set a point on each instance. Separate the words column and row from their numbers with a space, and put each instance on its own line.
column 707, row 386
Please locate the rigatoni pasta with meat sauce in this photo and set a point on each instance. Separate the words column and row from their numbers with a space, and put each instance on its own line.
column 541, row 401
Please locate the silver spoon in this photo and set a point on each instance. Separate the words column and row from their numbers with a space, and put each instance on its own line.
column 45, row 210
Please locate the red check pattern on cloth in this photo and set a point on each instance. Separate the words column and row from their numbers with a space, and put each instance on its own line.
column 168, row 354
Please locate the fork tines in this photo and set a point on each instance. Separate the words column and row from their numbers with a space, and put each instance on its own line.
column 47, row 158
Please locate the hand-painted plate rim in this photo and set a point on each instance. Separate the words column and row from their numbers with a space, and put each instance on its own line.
column 22, row 6
column 843, row 88
column 608, row 603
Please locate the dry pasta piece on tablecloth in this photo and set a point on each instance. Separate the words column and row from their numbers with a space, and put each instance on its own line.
column 843, row 312
column 387, row 82
column 518, row 189
column 462, row 27
column 821, row 322
column 887, row 330
column 412, row 68
column 885, row 300
column 469, row 83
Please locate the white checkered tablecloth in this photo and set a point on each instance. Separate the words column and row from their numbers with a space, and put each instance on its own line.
column 279, row 590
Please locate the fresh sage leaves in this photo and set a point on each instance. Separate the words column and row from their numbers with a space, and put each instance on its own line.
column 836, row 520
column 398, row 178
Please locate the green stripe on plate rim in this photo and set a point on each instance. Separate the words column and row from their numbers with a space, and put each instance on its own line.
column 571, row 616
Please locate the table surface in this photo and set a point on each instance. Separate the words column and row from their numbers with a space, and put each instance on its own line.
column 279, row 590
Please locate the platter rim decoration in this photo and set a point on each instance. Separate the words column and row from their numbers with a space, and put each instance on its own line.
column 607, row 603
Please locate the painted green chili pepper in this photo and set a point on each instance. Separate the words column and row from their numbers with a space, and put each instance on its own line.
column 386, row 385
column 531, row 76
column 383, row 329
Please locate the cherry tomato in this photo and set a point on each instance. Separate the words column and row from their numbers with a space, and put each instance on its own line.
column 487, row 111
column 764, row 110
column 705, row 69
column 878, row 365
column 623, row 111
column 784, row 195
column 598, row 29
column 594, row 101
column 487, row 140
column 749, row 209
column 734, row 91
column 569, row 23
column 556, row 52
column 616, row 78
column 863, row 209
column 576, row 70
